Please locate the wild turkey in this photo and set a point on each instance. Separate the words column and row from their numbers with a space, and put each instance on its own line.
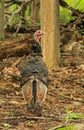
column 34, row 76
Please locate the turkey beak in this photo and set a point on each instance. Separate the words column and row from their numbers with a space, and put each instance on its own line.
column 43, row 33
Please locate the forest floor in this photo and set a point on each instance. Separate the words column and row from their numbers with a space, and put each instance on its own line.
column 64, row 103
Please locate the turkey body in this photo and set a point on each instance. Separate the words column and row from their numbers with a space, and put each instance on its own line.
column 34, row 78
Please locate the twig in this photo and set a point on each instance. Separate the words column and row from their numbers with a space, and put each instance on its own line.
column 72, row 98
column 66, row 97
column 18, row 28
column 35, row 118
column 17, row 62
column 27, row 118
column 8, row 1
column 60, row 126
column 8, row 5
column 56, row 127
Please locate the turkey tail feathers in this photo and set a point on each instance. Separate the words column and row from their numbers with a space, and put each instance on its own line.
column 34, row 91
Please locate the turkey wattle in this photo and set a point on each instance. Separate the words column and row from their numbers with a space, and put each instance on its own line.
column 34, row 76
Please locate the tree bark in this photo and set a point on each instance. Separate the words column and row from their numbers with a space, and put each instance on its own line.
column 2, row 32
column 50, row 24
column 35, row 11
column 19, row 48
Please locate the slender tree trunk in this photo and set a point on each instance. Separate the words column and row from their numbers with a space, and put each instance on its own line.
column 2, row 33
column 35, row 10
column 50, row 24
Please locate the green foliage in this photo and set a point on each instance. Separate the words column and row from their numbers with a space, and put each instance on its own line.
column 6, row 126
column 65, row 14
column 16, row 19
column 13, row 7
column 81, row 5
column 69, row 115
column 27, row 12
column 77, row 4
column 68, row 127
column 72, row 127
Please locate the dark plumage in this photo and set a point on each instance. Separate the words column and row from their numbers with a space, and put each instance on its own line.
column 34, row 65
column 36, row 48
column 34, row 77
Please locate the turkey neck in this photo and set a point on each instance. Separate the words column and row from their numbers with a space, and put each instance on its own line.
column 36, row 49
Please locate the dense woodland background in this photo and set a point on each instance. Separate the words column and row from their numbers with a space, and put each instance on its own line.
column 28, row 15
column 63, row 23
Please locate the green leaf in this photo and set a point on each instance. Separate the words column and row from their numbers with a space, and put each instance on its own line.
column 70, row 116
column 72, row 127
column 6, row 125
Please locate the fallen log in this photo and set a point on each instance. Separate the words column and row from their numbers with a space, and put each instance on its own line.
column 17, row 48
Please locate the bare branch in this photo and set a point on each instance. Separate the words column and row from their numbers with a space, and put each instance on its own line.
column 13, row 14
column 8, row 1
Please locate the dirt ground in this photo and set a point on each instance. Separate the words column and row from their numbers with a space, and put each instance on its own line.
column 65, row 95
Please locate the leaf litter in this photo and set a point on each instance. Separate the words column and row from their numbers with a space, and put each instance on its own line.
column 65, row 96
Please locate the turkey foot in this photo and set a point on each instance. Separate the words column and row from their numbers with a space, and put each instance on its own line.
column 35, row 110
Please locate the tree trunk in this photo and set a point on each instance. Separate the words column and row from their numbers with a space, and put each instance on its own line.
column 35, row 10
column 18, row 48
column 50, row 24
column 2, row 33
column 24, row 7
